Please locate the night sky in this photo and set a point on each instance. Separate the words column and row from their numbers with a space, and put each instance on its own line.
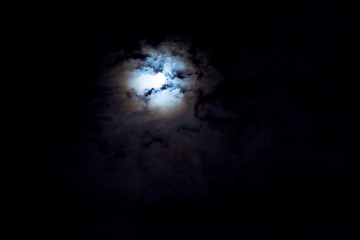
column 258, row 139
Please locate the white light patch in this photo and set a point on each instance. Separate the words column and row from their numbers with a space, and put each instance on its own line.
column 143, row 81
column 159, row 80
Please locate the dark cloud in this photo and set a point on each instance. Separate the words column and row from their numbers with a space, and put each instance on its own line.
column 155, row 155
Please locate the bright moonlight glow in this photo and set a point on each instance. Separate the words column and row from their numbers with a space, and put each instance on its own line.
column 142, row 82
column 158, row 80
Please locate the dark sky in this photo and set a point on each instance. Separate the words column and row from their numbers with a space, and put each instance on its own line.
column 271, row 151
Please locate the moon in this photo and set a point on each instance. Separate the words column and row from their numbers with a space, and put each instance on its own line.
column 160, row 81
column 161, row 90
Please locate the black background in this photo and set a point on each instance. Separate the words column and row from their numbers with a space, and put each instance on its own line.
column 292, row 64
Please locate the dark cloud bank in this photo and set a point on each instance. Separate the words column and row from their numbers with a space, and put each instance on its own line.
column 262, row 143
column 155, row 155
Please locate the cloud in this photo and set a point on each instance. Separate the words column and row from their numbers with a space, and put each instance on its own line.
column 156, row 147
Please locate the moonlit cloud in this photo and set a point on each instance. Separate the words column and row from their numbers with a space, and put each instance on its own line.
column 160, row 91
column 166, row 99
column 164, row 79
